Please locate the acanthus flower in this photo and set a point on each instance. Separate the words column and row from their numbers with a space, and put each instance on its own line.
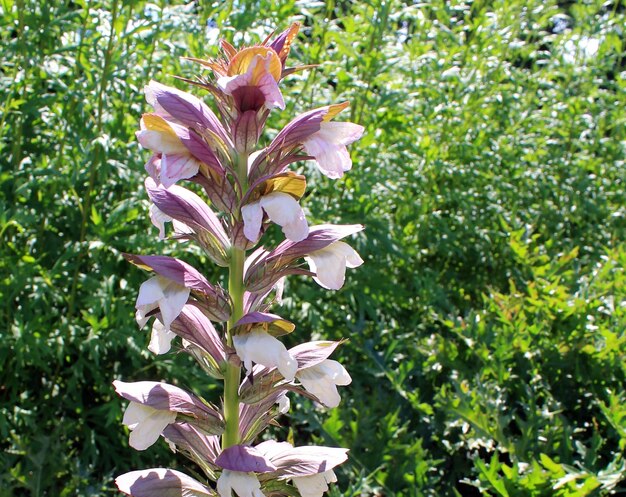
column 172, row 274
column 329, row 264
column 175, row 105
column 327, row 260
column 278, row 196
column 282, row 209
column 183, row 205
column 322, row 140
column 240, row 464
column 322, row 379
column 179, row 152
column 155, row 405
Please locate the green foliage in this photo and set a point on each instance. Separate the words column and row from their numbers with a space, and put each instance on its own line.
column 486, row 329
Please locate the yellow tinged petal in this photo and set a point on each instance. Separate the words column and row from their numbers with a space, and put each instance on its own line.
column 279, row 328
column 289, row 182
column 240, row 63
column 335, row 109
column 153, row 122
column 133, row 259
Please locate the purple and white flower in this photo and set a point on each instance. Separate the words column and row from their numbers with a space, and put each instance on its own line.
column 329, row 264
column 328, row 147
column 322, row 379
column 155, row 405
column 161, row 481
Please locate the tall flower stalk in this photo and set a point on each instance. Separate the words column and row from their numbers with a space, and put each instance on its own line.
column 229, row 331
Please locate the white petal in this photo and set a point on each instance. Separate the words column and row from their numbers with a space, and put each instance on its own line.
column 174, row 299
column 252, row 157
column 297, row 230
column 181, row 228
column 284, row 404
column 332, row 159
column 159, row 218
column 330, row 268
column 314, row 485
column 151, row 291
column 335, row 371
column 177, row 166
column 146, row 424
column 135, row 412
column 141, row 316
column 160, row 339
column 262, row 348
column 244, row 484
column 252, row 218
column 330, row 263
column 328, row 146
column 148, row 432
column 285, row 211
column 287, row 366
column 224, row 83
column 322, row 379
column 353, row 259
column 161, row 143
column 321, row 386
column 340, row 133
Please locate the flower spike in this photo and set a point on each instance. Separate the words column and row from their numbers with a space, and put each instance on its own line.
column 221, row 185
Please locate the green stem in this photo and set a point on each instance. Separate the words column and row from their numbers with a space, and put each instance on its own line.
column 236, row 290
column 233, row 373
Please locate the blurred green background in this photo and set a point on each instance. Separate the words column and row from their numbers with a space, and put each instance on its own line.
column 487, row 329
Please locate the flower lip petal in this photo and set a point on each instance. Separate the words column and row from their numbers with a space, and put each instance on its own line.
column 314, row 485
column 243, row 484
column 245, row 459
column 260, row 347
column 160, row 339
column 252, row 215
column 148, row 430
column 285, row 211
